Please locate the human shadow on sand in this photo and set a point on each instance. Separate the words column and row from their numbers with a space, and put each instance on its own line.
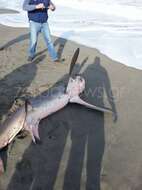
column 14, row 41
column 62, row 41
column 87, row 130
column 14, row 85
column 39, row 167
column 18, row 40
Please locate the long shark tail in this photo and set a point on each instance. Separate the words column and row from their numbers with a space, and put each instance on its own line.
column 73, row 62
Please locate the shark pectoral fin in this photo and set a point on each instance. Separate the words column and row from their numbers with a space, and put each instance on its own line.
column 34, row 132
column 32, row 135
column 78, row 100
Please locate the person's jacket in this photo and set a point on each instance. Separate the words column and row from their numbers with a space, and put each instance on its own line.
column 36, row 15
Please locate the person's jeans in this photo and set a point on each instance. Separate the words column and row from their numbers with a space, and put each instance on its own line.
column 35, row 28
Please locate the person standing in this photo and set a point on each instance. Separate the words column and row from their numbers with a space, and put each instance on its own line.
column 38, row 22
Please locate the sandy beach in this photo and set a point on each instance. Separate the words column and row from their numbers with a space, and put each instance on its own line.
column 78, row 145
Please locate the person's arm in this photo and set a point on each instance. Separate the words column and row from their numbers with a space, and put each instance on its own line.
column 28, row 7
column 51, row 6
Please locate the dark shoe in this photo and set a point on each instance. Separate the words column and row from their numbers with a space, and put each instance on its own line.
column 59, row 60
column 30, row 59
column 1, row 48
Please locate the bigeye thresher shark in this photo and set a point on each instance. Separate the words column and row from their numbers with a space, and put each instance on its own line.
column 28, row 116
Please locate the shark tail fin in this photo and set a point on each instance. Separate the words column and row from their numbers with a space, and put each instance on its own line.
column 73, row 62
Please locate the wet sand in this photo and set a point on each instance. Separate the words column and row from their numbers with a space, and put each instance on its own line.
column 80, row 148
column 7, row 11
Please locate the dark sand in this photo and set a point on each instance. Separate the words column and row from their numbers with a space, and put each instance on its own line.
column 78, row 145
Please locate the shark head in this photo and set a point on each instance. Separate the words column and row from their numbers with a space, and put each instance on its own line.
column 75, row 86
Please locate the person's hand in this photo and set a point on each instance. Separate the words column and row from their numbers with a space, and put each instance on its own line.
column 40, row 6
column 52, row 7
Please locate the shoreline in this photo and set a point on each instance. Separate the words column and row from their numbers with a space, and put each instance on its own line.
column 121, row 140
column 64, row 39
column 7, row 11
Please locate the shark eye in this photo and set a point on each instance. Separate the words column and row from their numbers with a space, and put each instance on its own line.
column 81, row 79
